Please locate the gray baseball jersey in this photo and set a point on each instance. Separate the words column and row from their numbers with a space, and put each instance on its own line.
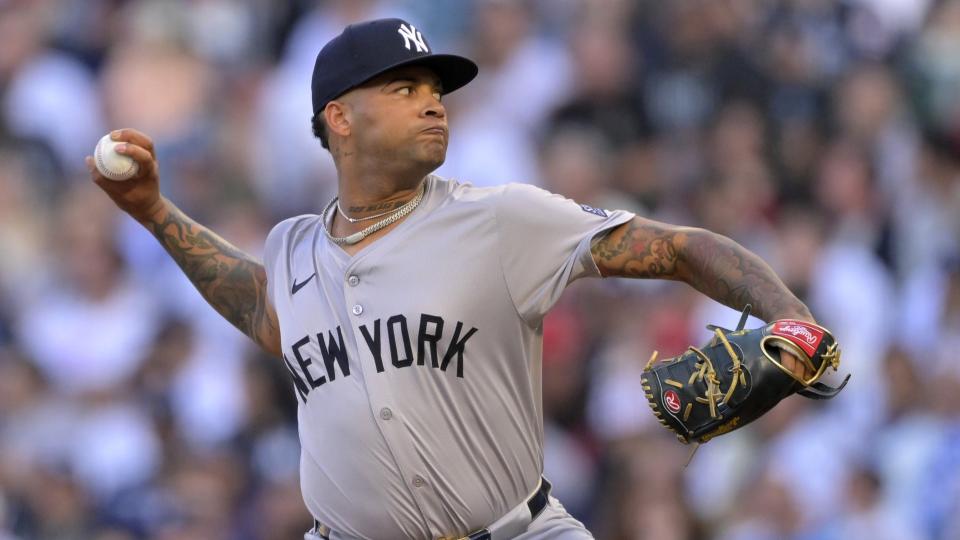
column 416, row 362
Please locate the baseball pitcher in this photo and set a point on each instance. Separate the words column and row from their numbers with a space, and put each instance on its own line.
column 408, row 311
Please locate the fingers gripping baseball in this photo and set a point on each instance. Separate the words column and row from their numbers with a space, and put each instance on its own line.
column 140, row 193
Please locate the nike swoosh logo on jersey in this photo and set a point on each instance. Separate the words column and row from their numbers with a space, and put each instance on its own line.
column 298, row 286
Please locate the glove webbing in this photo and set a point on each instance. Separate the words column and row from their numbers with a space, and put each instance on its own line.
column 709, row 373
column 713, row 382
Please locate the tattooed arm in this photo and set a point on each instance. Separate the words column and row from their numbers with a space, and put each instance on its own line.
column 713, row 264
column 230, row 280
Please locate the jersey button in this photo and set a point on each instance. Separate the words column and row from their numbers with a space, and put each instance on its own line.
column 353, row 281
column 357, row 309
column 386, row 413
column 418, row 481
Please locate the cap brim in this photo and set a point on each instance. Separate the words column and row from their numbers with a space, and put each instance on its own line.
column 454, row 71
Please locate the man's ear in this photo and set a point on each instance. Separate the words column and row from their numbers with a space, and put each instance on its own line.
column 338, row 118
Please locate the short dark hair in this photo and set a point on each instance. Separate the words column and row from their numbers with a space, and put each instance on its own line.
column 319, row 124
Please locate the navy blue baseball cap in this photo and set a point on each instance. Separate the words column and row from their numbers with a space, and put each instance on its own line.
column 364, row 50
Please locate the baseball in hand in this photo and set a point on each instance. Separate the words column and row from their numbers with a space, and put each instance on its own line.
column 111, row 164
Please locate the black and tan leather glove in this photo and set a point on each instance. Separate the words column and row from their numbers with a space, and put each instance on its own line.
column 738, row 376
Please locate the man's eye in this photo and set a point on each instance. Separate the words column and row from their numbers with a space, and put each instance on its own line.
column 437, row 95
column 404, row 91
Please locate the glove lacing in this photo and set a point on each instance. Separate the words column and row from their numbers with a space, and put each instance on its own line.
column 708, row 373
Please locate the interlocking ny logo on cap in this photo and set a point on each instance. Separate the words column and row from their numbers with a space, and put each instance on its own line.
column 410, row 33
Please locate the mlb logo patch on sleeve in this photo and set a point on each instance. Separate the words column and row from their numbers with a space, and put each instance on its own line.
column 598, row 211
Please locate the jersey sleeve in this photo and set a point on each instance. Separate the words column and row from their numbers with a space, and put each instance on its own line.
column 544, row 242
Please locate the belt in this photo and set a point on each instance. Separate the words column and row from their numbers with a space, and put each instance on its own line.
column 517, row 520
column 510, row 525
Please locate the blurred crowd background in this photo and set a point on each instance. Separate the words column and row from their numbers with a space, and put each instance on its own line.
column 822, row 134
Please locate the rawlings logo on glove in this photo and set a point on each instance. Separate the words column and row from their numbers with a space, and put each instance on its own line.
column 737, row 377
column 798, row 329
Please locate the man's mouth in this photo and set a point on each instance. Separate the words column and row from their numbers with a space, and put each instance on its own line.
column 442, row 132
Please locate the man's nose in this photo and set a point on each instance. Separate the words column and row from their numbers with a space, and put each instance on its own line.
column 434, row 107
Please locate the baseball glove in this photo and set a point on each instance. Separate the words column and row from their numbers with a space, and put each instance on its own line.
column 737, row 377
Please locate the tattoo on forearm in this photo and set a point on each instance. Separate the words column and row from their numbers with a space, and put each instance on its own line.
column 726, row 271
column 230, row 280
column 713, row 264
